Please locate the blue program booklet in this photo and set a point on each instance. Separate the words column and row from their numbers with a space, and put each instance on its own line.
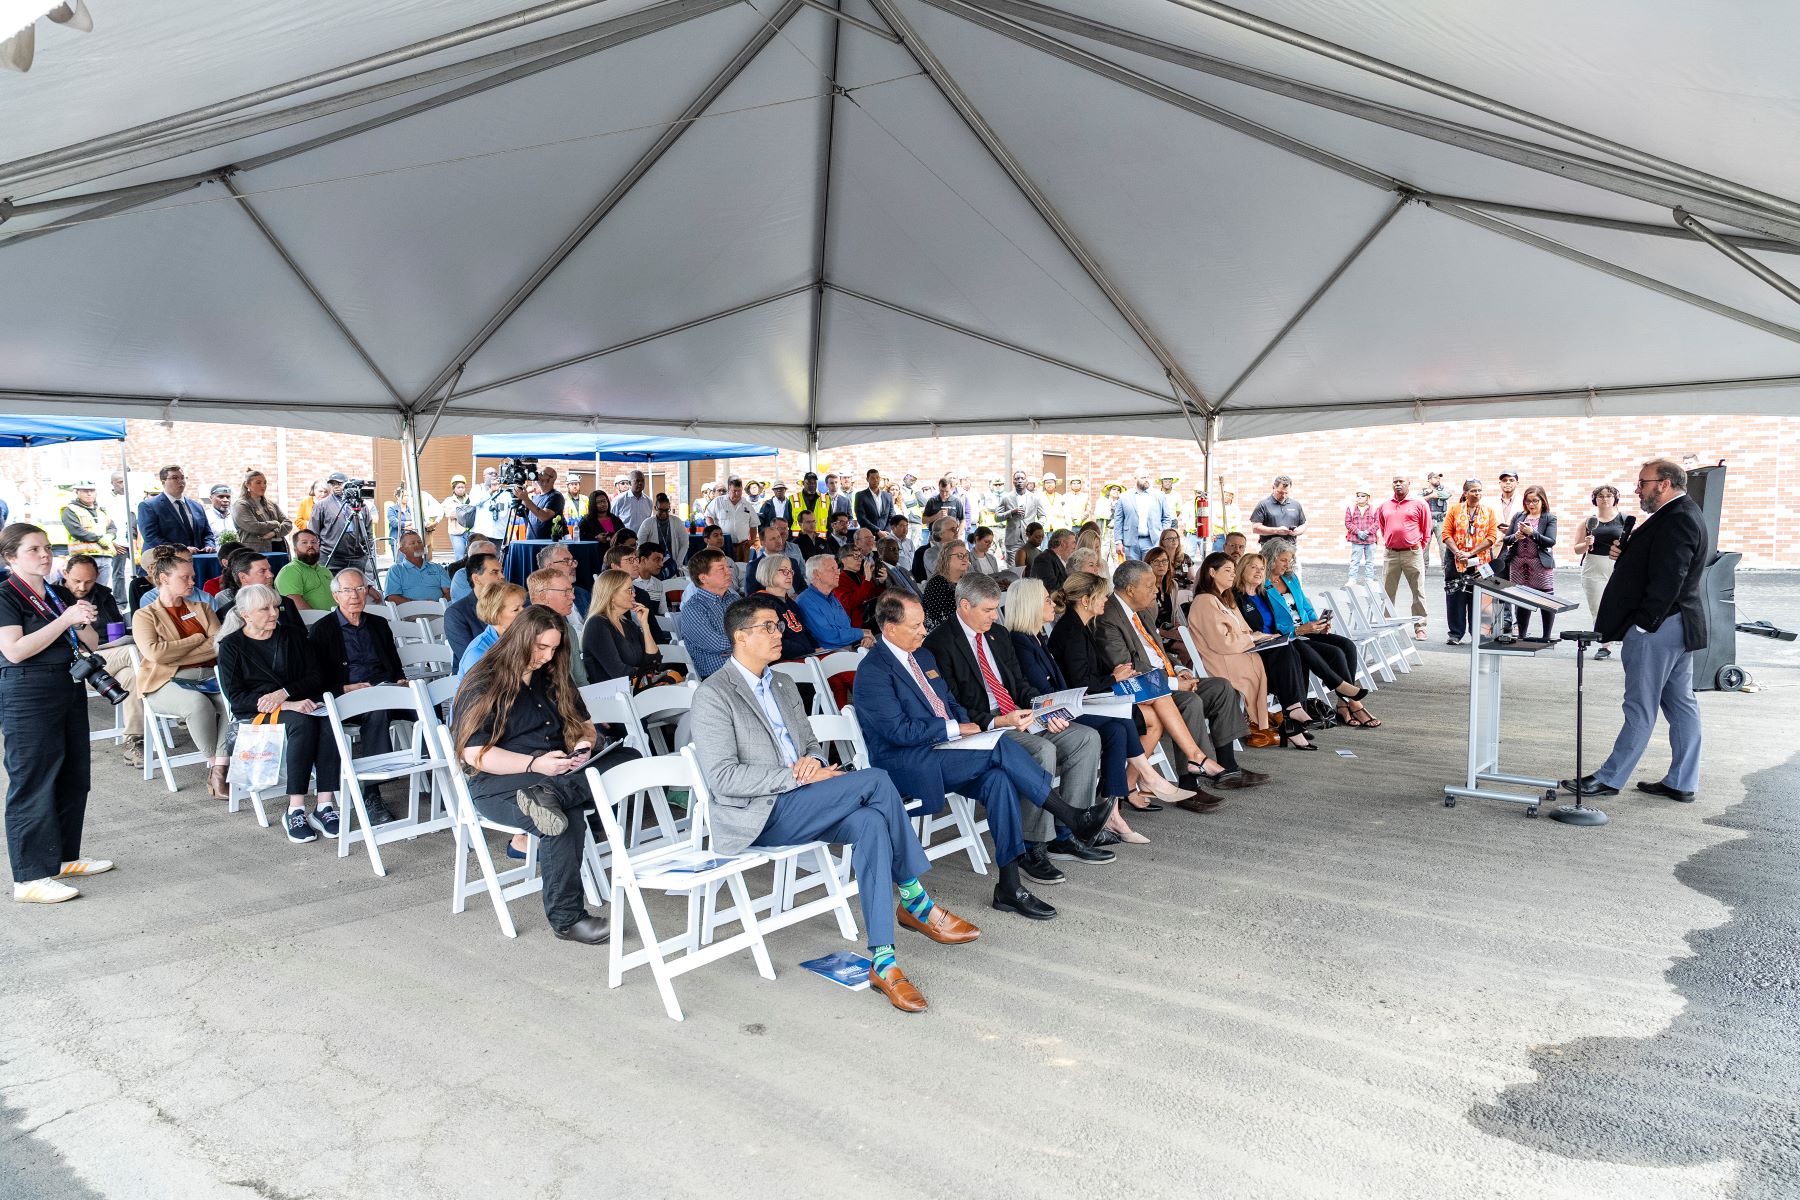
column 842, row 968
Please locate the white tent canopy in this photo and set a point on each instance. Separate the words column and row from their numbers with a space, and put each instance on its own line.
column 803, row 223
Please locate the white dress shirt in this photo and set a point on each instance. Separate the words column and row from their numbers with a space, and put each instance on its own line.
column 907, row 663
column 737, row 518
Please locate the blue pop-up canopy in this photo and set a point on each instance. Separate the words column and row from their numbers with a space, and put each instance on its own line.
column 44, row 431
column 609, row 448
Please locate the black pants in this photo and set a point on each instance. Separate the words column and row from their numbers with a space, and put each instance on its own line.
column 1525, row 620
column 311, row 750
column 559, row 857
column 1329, row 656
column 1287, row 674
column 375, row 740
column 1459, row 602
column 43, row 714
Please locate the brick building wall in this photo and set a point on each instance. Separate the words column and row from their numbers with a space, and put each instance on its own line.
column 1567, row 456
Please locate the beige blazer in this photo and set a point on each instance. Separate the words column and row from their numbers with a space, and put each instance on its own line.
column 163, row 648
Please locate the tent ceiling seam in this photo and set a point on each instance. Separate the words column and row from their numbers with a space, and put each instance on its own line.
column 817, row 357
column 984, row 133
column 642, row 167
column 1590, row 392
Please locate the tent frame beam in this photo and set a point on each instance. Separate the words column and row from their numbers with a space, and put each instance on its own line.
column 1767, row 245
column 1001, row 343
column 845, row 18
column 1318, row 294
column 1661, row 192
column 670, row 135
column 826, row 147
column 1187, row 392
column 1741, row 257
column 299, row 273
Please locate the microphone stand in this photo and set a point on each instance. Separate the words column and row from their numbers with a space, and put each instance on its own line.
column 1578, row 813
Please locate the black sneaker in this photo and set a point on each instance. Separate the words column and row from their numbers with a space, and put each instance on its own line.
column 378, row 812
column 1037, row 866
column 325, row 819
column 299, row 828
column 1069, row 848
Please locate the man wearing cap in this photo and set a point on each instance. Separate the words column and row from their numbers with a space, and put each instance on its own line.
column 169, row 518
column 1056, row 502
column 776, row 507
column 1018, row 508
column 872, row 507
column 347, row 536
column 735, row 515
column 89, row 530
column 1174, row 511
column 811, row 499
column 1139, row 518
column 635, row 506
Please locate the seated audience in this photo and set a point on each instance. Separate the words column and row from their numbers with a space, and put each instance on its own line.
column 267, row 668
column 1227, row 647
column 548, row 587
column 775, row 574
column 560, row 558
column 652, row 566
column 665, row 529
column 303, row 577
column 952, row 564
column 775, row 541
column 461, row 624
column 1254, row 606
column 174, row 639
column 897, row 575
column 827, row 623
column 1029, row 549
column 1051, row 566
column 616, row 641
column 703, row 610
column 460, row 582
column 1327, row 655
column 856, row 590
column 772, row 785
column 497, row 607
column 623, row 556
column 984, row 559
column 523, row 737
column 413, row 576
column 355, row 649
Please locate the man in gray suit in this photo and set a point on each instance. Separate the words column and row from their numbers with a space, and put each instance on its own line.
column 771, row 786
column 1211, row 708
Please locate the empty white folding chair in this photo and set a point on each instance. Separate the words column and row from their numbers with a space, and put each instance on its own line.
column 1372, row 651
column 685, row 867
column 312, row 616
column 159, row 736
column 471, row 828
column 610, row 703
column 412, row 610
column 116, row 731
column 425, row 660
column 1379, row 611
column 416, row 763
column 829, row 667
column 669, row 625
column 659, row 709
column 805, row 675
column 674, row 654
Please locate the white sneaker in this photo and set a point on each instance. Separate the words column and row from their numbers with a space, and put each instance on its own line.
column 86, row 866
column 43, row 891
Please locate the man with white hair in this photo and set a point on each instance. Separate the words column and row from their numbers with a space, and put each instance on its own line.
column 827, row 620
column 549, row 588
column 354, row 649
column 413, row 577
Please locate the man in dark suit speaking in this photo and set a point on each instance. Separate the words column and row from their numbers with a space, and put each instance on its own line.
column 1653, row 603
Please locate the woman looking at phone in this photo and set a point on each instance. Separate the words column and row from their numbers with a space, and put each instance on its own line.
column 1326, row 654
column 523, row 737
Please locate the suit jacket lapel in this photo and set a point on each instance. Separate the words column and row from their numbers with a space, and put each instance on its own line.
column 748, row 695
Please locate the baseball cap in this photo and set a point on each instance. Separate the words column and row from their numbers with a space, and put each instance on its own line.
column 1512, row 471
column 220, row 489
column 81, row 485
column 337, row 477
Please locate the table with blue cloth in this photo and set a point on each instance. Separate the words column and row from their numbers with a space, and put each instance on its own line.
column 206, row 566
column 521, row 561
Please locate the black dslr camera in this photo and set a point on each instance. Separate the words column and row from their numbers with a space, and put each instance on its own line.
column 517, row 472
column 87, row 668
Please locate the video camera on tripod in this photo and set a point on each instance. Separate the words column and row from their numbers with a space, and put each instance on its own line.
column 517, row 472
column 357, row 493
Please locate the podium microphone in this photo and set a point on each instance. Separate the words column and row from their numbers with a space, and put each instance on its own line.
column 1578, row 813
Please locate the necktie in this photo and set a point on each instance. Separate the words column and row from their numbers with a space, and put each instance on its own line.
column 1150, row 641
column 991, row 677
column 790, row 754
column 937, row 705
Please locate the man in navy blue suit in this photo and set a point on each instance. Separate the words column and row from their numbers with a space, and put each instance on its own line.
column 170, row 519
column 906, row 711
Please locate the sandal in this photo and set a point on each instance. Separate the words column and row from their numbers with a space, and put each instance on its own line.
column 1361, row 718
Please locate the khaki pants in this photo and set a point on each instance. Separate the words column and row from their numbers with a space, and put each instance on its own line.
column 118, row 665
column 1411, row 565
column 203, row 714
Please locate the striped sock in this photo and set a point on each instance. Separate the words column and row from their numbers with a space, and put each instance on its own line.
column 882, row 959
column 914, row 899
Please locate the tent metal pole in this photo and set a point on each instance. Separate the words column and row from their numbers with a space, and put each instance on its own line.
column 1318, row 295
column 312, row 290
column 1663, row 193
column 1188, row 393
column 574, row 360
column 149, row 191
column 670, row 135
column 102, row 211
column 1742, row 258
column 378, row 62
column 549, row 52
column 1767, row 245
column 846, row 19
column 409, row 470
column 991, row 340
column 1531, row 238
column 439, row 414
column 817, row 358
column 1447, row 91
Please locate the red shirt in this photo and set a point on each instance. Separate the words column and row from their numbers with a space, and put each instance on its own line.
column 853, row 593
column 1405, row 524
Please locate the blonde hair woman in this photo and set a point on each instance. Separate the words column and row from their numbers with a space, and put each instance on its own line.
column 616, row 642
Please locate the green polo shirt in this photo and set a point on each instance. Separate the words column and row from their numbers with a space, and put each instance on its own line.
column 312, row 584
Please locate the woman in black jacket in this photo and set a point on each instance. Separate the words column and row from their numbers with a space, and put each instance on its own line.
column 616, row 641
column 265, row 668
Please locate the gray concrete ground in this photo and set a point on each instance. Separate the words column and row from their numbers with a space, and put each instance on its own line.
column 1333, row 987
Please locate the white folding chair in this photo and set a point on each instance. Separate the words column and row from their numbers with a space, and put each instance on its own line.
column 685, row 867
column 471, row 835
column 1379, row 612
column 425, row 660
column 412, row 610
column 669, row 625
column 116, row 731
column 1373, row 654
column 828, row 667
column 610, row 703
column 235, row 796
column 672, row 598
column 416, row 763
column 312, row 616
column 159, row 736
column 674, row 654
column 958, row 812
column 659, row 709
column 802, row 673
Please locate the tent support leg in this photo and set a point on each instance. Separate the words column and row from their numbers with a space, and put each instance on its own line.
column 1739, row 255
column 409, row 469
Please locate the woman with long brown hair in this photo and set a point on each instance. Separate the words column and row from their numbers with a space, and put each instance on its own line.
column 523, row 738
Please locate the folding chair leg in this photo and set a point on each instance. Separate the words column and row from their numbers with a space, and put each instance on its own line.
column 360, row 811
column 835, row 888
column 490, row 878
column 752, row 929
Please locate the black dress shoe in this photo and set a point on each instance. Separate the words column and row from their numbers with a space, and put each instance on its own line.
column 1037, row 865
column 1023, row 903
column 1090, row 821
column 1587, row 785
column 1071, row 849
column 1662, row 789
column 589, row 931
column 1104, row 838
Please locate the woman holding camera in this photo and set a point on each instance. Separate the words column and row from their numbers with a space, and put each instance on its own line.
column 43, row 714
column 175, row 640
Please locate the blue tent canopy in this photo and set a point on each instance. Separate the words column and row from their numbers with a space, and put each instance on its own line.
column 613, row 449
column 44, row 431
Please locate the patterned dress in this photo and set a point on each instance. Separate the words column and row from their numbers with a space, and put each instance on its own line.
column 1525, row 567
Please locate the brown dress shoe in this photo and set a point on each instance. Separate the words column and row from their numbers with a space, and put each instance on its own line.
column 898, row 989
column 941, row 925
column 218, row 786
column 1205, row 802
column 1237, row 781
column 1262, row 739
